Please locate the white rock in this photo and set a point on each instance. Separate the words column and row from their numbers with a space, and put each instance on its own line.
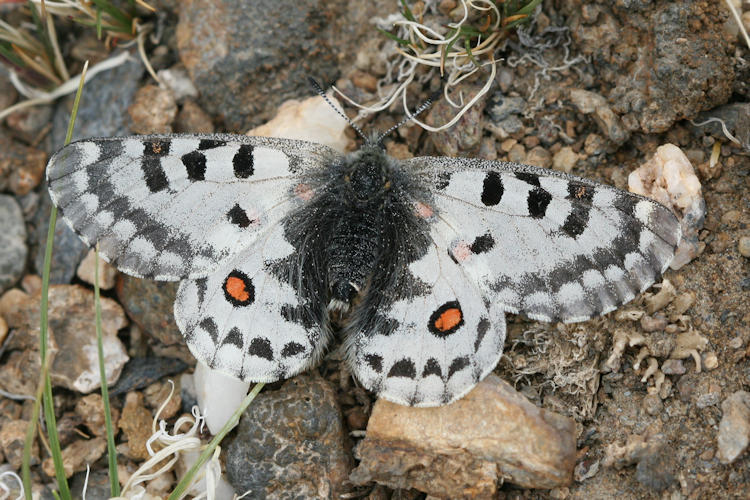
column 309, row 120
column 218, row 395
column 178, row 81
column 107, row 273
column 669, row 178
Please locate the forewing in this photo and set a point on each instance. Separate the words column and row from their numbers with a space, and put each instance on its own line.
column 175, row 206
column 243, row 321
column 551, row 245
column 432, row 347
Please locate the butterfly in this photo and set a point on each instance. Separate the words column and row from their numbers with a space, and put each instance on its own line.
column 282, row 246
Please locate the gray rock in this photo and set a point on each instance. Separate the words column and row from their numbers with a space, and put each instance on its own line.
column 103, row 110
column 291, row 443
column 68, row 251
column 12, row 242
column 465, row 136
column 684, row 71
column 246, row 58
column 502, row 107
column 734, row 428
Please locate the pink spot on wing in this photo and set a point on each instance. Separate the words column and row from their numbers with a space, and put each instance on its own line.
column 304, row 192
column 422, row 210
column 461, row 251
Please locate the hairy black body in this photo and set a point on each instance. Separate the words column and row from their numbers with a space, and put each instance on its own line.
column 355, row 240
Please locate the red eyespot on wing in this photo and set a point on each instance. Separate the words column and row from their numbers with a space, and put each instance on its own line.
column 239, row 289
column 446, row 319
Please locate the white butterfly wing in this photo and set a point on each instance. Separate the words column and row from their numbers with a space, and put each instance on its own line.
column 242, row 320
column 551, row 245
column 170, row 207
column 432, row 347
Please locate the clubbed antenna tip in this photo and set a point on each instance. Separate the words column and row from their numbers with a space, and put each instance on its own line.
column 319, row 90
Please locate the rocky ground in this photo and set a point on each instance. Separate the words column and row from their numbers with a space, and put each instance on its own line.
column 651, row 401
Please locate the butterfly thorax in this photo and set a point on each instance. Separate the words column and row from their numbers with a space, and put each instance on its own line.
column 356, row 244
column 355, row 236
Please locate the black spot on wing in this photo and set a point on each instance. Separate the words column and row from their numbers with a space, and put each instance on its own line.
column 243, row 162
column 482, row 328
column 492, row 189
column 538, row 200
column 238, row 217
column 195, row 164
column 210, row 326
column 580, row 197
column 576, row 221
column 432, row 367
column 234, row 337
column 153, row 174
column 482, row 244
column 403, row 368
column 443, row 179
column 457, row 365
column 375, row 362
column 261, row 347
column 528, row 178
column 292, row 349
column 210, row 144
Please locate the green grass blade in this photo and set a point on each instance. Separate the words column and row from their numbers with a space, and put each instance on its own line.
column 103, row 27
column 121, row 17
column 407, row 12
column 45, row 391
column 114, row 482
column 98, row 23
column 529, row 7
column 6, row 51
column 393, row 37
column 185, row 482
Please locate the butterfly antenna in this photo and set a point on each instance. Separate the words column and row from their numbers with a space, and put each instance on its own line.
column 409, row 116
column 322, row 93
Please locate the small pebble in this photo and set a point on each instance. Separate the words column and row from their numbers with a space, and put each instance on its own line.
column 734, row 429
column 517, row 154
column 3, row 330
column 652, row 404
column 594, row 144
column 364, row 81
column 107, row 273
column 508, row 144
column 539, row 157
column 735, row 343
column 531, row 141
column 744, row 246
column 683, row 302
column 153, row 110
column 710, row 361
column 192, row 119
column 565, row 159
column 730, row 217
column 653, row 323
column 708, row 399
column 673, row 367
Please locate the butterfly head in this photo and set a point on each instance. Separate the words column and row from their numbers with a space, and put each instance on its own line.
column 367, row 173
